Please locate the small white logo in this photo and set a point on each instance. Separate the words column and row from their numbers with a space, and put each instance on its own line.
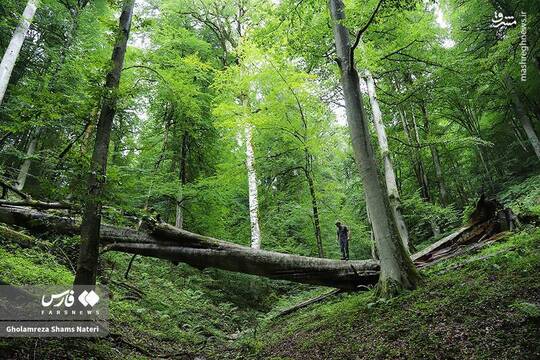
column 89, row 298
column 501, row 20
column 65, row 297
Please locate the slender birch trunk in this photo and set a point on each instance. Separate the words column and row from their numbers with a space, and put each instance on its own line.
column 25, row 167
column 91, row 222
column 392, row 191
column 523, row 117
column 397, row 269
column 14, row 47
column 252, row 190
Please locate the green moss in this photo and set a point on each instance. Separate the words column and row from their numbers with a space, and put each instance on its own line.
column 28, row 266
column 450, row 316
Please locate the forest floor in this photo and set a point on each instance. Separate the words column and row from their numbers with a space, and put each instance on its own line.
column 466, row 309
column 480, row 306
column 483, row 305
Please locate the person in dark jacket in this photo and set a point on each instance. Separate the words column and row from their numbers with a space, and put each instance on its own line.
column 343, row 237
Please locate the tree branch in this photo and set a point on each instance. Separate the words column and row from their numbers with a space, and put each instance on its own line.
column 362, row 30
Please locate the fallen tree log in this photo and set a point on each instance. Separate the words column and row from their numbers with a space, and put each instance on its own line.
column 164, row 241
column 160, row 240
column 37, row 204
column 308, row 302
column 19, row 238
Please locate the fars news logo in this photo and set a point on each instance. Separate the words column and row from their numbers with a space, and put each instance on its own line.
column 61, row 303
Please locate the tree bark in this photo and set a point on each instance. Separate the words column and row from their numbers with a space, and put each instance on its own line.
column 392, row 191
column 25, row 167
column 164, row 241
column 374, row 254
column 14, row 47
column 523, row 117
column 397, row 269
column 252, row 190
column 90, row 228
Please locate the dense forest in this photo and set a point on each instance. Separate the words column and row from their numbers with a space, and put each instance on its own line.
column 275, row 179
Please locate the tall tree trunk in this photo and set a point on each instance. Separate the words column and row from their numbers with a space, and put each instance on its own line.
column 523, row 117
column 397, row 269
column 314, row 204
column 90, row 227
column 14, row 47
column 252, row 190
column 436, row 161
column 392, row 191
column 25, row 167
column 179, row 219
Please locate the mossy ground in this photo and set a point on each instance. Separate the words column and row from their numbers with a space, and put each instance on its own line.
column 465, row 309
column 485, row 309
column 182, row 312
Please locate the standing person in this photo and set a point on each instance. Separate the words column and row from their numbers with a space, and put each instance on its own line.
column 343, row 237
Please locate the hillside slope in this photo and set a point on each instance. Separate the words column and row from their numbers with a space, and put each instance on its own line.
column 481, row 306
